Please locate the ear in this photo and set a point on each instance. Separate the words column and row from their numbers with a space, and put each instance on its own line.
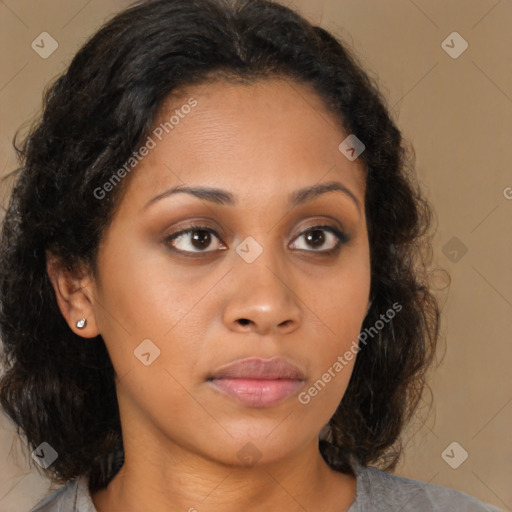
column 74, row 294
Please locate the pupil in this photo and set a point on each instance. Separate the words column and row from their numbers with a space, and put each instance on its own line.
column 202, row 240
column 318, row 240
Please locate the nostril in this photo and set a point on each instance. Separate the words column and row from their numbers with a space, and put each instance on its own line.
column 244, row 321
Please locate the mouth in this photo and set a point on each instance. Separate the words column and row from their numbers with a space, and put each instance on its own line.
column 258, row 382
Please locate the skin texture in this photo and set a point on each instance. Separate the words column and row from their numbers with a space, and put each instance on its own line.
column 184, row 440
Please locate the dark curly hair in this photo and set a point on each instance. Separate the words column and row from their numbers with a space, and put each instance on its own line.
column 58, row 389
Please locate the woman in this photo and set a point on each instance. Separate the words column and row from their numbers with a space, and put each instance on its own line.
column 268, row 364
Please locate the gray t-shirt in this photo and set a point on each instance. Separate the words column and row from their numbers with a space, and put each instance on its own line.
column 376, row 491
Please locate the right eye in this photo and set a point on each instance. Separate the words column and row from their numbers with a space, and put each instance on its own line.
column 183, row 242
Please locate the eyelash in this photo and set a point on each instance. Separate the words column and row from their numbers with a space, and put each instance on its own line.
column 340, row 235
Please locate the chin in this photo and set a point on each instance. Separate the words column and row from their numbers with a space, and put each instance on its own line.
column 262, row 447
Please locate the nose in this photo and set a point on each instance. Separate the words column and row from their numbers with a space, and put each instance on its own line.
column 262, row 299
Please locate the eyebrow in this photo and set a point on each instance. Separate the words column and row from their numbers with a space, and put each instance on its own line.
column 223, row 197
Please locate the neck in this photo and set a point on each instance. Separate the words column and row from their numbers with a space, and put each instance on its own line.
column 154, row 481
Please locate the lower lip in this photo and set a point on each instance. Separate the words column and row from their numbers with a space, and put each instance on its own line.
column 258, row 392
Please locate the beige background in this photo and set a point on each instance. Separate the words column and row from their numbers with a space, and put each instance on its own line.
column 458, row 115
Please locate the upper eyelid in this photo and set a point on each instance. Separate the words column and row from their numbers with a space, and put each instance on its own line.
column 320, row 221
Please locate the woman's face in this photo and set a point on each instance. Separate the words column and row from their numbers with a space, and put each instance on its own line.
column 257, row 279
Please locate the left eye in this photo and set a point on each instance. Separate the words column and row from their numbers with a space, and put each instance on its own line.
column 316, row 237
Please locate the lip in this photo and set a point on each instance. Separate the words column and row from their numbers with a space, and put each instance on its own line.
column 256, row 382
column 257, row 368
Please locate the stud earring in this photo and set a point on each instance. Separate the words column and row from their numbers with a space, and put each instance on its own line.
column 81, row 323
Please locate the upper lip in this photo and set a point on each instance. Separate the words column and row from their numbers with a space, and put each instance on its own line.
column 257, row 368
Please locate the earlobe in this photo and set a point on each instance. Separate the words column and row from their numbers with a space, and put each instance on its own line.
column 74, row 296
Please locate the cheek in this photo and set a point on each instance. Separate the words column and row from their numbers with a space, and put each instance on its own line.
column 340, row 308
column 144, row 293
column 136, row 309
column 339, row 304
column 158, row 397
column 321, row 396
column 153, row 336
column 160, row 390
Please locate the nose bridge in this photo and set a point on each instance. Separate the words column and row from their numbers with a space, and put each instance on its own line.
column 262, row 297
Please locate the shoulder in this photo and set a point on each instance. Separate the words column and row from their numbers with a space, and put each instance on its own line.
column 72, row 497
column 382, row 491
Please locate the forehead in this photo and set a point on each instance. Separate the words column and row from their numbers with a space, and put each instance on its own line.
column 267, row 137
